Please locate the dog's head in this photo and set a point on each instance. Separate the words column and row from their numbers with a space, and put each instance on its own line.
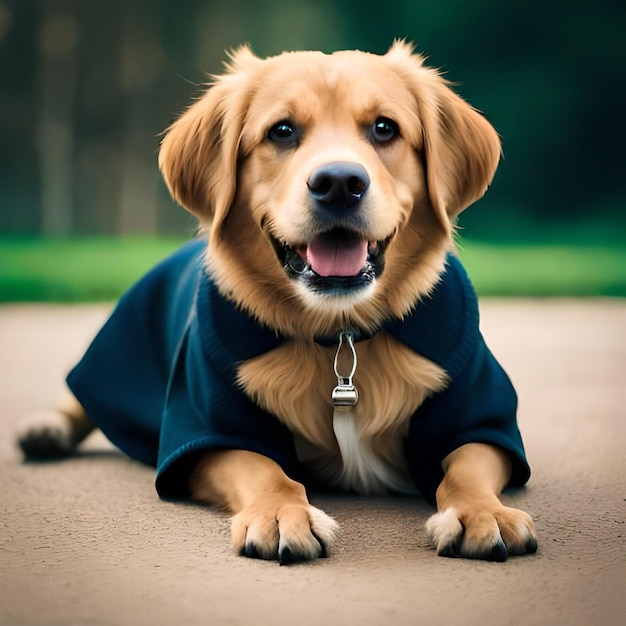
column 329, row 183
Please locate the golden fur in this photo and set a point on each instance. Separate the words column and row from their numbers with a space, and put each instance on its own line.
column 251, row 196
column 294, row 382
column 245, row 187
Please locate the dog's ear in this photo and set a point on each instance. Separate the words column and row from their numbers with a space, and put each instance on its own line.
column 199, row 151
column 461, row 148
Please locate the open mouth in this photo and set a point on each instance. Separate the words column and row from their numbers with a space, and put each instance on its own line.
column 338, row 260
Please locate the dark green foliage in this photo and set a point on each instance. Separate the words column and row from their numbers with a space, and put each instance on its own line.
column 86, row 87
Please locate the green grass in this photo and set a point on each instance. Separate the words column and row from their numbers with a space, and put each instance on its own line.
column 546, row 269
column 100, row 269
column 76, row 270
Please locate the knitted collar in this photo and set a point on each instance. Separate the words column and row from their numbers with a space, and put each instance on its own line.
column 442, row 327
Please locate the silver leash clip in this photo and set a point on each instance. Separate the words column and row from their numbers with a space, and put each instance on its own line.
column 345, row 393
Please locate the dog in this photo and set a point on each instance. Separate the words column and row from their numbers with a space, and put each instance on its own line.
column 320, row 331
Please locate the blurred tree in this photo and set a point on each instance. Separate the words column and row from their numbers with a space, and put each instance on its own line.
column 20, row 190
column 58, row 53
column 86, row 86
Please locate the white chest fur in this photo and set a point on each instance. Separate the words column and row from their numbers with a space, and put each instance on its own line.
column 361, row 449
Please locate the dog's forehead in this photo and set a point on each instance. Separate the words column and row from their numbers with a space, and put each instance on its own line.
column 302, row 86
column 327, row 73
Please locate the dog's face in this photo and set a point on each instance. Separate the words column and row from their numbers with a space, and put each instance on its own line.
column 329, row 183
column 331, row 177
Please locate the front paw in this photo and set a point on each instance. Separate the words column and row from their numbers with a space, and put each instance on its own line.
column 491, row 534
column 288, row 533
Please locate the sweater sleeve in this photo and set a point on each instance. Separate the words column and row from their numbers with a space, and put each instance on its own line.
column 122, row 377
column 205, row 409
column 479, row 406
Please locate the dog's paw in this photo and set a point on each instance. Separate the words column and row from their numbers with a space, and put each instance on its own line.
column 45, row 435
column 289, row 533
column 490, row 535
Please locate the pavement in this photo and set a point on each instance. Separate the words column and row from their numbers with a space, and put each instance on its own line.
column 86, row 541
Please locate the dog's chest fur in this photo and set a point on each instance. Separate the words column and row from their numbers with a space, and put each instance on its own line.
column 295, row 383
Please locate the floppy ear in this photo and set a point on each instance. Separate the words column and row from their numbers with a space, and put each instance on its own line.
column 198, row 155
column 461, row 148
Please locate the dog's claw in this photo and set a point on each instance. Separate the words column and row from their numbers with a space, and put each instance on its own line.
column 251, row 551
column 450, row 550
column 323, row 551
column 287, row 557
column 497, row 553
column 530, row 547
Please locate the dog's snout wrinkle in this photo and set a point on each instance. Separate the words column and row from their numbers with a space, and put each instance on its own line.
column 340, row 184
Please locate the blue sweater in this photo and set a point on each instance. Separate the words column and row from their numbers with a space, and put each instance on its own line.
column 159, row 379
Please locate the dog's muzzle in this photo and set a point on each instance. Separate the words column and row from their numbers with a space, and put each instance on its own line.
column 340, row 258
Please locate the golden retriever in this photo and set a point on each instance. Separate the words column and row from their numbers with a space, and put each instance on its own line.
column 327, row 188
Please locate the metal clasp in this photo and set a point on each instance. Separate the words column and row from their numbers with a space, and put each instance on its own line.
column 345, row 393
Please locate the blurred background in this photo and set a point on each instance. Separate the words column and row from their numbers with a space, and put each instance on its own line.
column 86, row 86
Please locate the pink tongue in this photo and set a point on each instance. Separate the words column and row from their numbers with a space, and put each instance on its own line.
column 329, row 256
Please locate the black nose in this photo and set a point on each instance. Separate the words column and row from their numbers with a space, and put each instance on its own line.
column 341, row 185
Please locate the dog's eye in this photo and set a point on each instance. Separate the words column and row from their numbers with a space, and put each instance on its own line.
column 384, row 129
column 282, row 132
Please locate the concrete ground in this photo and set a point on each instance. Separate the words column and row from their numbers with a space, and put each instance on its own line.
column 86, row 541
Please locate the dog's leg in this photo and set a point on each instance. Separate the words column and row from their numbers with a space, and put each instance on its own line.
column 54, row 433
column 272, row 515
column 471, row 521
